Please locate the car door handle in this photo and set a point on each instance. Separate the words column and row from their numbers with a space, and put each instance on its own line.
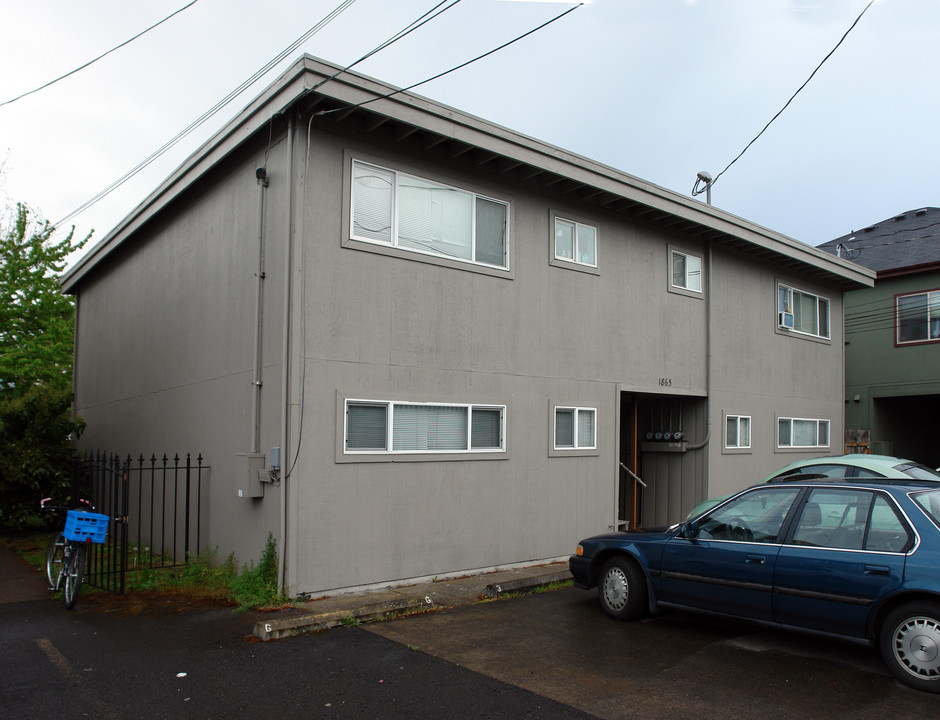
column 877, row 570
column 759, row 559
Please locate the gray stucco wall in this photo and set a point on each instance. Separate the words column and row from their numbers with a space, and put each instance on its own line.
column 408, row 328
column 164, row 357
column 165, row 337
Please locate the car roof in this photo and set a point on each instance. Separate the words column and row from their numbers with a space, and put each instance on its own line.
column 905, row 483
column 879, row 463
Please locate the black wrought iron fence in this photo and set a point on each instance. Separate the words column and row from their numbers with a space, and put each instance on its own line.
column 155, row 508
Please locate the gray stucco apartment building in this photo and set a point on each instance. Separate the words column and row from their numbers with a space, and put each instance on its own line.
column 411, row 343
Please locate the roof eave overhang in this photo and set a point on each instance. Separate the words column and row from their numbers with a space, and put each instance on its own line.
column 367, row 105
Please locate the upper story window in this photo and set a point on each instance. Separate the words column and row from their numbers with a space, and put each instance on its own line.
column 575, row 242
column 802, row 312
column 737, row 431
column 574, row 428
column 918, row 317
column 686, row 271
column 802, row 433
column 405, row 211
column 394, row 427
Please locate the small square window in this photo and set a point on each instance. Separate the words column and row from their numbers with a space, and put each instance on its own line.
column 574, row 428
column 737, row 431
column 575, row 242
column 686, row 271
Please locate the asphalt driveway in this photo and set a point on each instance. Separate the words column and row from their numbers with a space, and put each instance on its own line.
column 560, row 645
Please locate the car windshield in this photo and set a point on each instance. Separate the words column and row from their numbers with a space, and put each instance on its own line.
column 929, row 502
column 918, row 471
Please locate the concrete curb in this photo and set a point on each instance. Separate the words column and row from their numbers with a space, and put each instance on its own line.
column 524, row 584
column 314, row 622
column 359, row 608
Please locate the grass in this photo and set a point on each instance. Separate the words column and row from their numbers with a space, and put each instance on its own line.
column 204, row 579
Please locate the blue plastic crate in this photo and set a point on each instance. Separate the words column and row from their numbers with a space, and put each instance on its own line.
column 82, row 526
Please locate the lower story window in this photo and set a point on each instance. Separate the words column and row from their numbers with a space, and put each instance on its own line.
column 394, row 427
column 737, row 431
column 802, row 433
column 574, row 428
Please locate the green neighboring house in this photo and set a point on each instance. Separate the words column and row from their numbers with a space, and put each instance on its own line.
column 892, row 338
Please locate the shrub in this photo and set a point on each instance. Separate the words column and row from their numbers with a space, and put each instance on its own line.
column 256, row 586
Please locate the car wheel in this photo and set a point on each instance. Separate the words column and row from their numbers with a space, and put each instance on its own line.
column 622, row 589
column 910, row 645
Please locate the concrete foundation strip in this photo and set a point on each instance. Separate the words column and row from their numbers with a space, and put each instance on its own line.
column 314, row 622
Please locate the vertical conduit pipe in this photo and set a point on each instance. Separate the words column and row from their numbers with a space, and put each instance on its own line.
column 285, row 357
column 708, row 358
column 254, row 445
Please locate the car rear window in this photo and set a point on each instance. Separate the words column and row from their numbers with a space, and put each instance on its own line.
column 918, row 471
column 929, row 502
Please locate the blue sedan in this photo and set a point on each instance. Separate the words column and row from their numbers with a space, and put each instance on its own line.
column 854, row 558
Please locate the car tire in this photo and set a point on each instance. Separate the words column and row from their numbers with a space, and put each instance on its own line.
column 622, row 589
column 910, row 644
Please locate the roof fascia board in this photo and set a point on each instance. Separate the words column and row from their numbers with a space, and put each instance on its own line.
column 308, row 73
column 272, row 101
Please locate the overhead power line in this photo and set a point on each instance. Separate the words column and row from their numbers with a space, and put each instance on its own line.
column 458, row 67
column 91, row 62
column 699, row 188
column 208, row 114
column 284, row 53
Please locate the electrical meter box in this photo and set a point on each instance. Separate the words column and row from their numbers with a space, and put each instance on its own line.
column 248, row 478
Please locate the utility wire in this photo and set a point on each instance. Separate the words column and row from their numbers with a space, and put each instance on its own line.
column 208, row 114
column 407, row 30
column 458, row 67
column 699, row 190
column 91, row 62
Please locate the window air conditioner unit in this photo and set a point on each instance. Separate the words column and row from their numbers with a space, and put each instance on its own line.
column 785, row 320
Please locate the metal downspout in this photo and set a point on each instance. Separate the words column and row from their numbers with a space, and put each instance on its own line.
column 285, row 357
column 708, row 359
column 254, row 445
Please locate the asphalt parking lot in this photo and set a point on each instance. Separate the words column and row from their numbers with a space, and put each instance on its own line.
column 560, row 646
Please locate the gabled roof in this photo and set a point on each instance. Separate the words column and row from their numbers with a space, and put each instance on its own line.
column 360, row 104
column 909, row 240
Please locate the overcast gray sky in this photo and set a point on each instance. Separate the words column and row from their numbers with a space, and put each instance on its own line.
column 660, row 89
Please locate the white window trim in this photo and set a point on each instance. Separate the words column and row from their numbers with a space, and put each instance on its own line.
column 389, row 426
column 685, row 289
column 791, row 446
column 393, row 243
column 577, row 411
column 750, row 431
column 577, row 224
column 779, row 325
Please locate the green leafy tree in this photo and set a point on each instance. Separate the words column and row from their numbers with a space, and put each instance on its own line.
column 37, row 320
column 36, row 336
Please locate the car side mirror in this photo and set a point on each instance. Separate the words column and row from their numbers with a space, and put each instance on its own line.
column 686, row 531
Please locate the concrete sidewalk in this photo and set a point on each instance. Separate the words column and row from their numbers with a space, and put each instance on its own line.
column 324, row 613
column 20, row 582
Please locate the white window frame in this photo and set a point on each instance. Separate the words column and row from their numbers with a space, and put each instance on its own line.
column 672, row 277
column 579, row 443
column 820, row 422
column 390, row 408
column 931, row 317
column 786, row 304
column 575, row 239
column 394, row 240
column 739, row 421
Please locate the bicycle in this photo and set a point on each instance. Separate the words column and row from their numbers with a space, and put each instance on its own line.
column 65, row 556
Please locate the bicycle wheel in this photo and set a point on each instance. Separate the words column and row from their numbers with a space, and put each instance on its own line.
column 74, row 572
column 55, row 557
